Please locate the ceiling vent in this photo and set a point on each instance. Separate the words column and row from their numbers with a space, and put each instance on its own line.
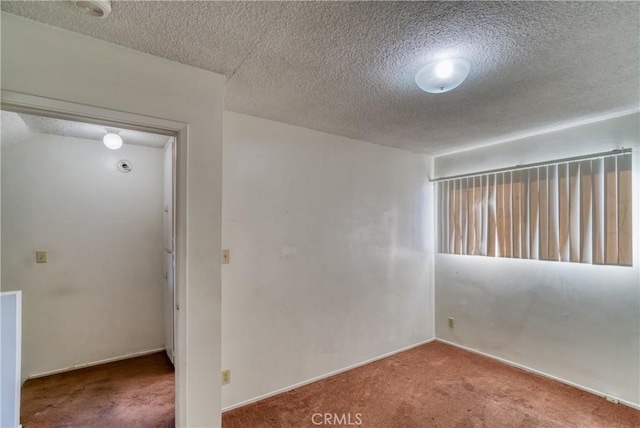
column 96, row 8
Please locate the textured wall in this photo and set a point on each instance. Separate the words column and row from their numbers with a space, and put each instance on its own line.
column 578, row 322
column 330, row 254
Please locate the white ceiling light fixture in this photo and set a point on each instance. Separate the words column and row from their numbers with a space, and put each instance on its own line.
column 112, row 141
column 442, row 76
column 97, row 8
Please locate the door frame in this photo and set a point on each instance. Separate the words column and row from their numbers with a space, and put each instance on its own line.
column 48, row 107
column 174, row 304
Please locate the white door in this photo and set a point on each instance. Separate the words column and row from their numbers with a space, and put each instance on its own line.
column 169, row 288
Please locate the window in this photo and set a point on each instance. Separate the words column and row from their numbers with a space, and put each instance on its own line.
column 574, row 211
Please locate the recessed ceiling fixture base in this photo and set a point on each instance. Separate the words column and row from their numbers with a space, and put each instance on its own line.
column 97, row 8
column 125, row 166
column 442, row 76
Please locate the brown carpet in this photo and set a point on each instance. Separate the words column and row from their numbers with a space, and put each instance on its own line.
column 434, row 385
column 138, row 392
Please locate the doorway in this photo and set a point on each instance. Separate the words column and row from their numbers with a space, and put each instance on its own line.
column 88, row 235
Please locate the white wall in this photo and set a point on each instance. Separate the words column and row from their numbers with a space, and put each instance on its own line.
column 99, row 295
column 585, row 139
column 50, row 62
column 10, row 350
column 330, row 260
column 580, row 323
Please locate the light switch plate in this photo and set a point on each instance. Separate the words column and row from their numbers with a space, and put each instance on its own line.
column 452, row 322
column 226, row 377
column 225, row 257
column 41, row 256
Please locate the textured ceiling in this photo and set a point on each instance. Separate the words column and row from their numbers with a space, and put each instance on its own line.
column 347, row 67
column 13, row 130
column 16, row 126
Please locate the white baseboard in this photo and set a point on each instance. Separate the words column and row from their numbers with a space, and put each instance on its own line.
column 324, row 376
column 543, row 374
column 95, row 363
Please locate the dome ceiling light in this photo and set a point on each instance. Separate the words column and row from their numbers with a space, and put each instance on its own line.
column 442, row 76
column 112, row 140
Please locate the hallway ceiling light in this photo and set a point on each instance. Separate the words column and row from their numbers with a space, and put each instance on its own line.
column 442, row 76
column 97, row 8
column 112, row 141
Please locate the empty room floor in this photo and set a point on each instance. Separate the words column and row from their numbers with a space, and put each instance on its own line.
column 137, row 392
column 435, row 385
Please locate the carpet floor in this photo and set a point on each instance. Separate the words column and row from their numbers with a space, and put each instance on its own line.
column 137, row 392
column 432, row 386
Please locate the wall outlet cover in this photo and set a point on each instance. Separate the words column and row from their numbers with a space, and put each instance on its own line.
column 611, row 399
column 41, row 256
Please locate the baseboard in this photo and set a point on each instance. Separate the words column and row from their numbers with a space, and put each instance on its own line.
column 541, row 373
column 95, row 363
column 324, row 376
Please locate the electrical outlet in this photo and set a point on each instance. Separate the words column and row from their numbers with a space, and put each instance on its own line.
column 452, row 323
column 226, row 376
column 611, row 399
column 41, row 256
column 225, row 257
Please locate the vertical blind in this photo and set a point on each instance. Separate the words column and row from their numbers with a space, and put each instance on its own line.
column 578, row 211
